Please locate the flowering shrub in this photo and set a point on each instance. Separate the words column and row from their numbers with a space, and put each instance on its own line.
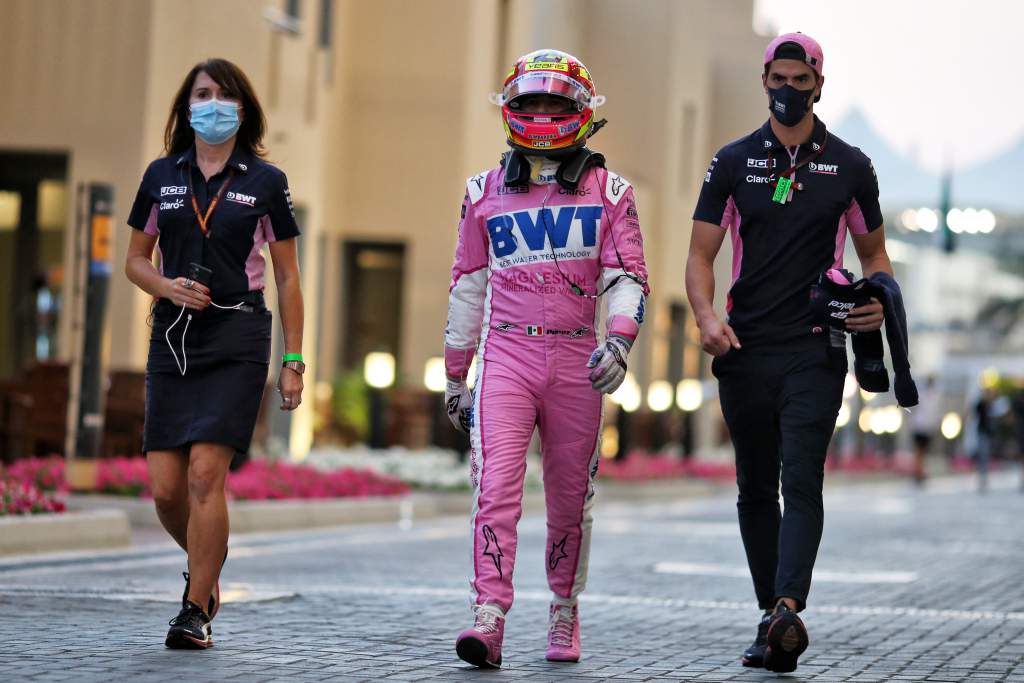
column 26, row 480
column 18, row 498
column 638, row 466
column 123, row 477
column 260, row 480
column 46, row 474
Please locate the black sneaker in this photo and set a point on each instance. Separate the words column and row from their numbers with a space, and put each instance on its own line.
column 787, row 640
column 754, row 656
column 190, row 630
column 214, row 605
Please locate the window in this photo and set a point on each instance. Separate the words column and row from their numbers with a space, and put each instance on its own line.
column 326, row 20
column 291, row 8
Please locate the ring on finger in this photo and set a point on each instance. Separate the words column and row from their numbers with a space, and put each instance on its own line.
column 189, row 284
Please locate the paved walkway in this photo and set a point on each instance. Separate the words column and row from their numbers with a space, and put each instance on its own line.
column 911, row 585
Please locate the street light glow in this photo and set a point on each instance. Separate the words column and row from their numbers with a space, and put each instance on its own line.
column 951, row 426
column 379, row 369
column 689, row 395
column 659, row 396
column 849, row 386
column 628, row 396
column 434, row 378
column 927, row 219
column 843, row 418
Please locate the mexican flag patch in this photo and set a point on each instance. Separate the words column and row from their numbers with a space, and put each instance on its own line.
column 534, row 330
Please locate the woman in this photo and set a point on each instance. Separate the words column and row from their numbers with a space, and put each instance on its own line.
column 210, row 204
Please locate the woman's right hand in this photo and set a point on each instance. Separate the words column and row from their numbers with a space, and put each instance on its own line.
column 198, row 297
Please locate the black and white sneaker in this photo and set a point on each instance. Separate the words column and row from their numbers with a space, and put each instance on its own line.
column 754, row 655
column 190, row 630
column 214, row 605
column 787, row 640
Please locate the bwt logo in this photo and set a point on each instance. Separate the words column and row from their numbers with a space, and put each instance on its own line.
column 534, row 226
column 827, row 169
column 240, row 198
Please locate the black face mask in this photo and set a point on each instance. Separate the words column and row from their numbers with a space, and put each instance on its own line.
column 789, row 105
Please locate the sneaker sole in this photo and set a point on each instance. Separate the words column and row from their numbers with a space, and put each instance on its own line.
column 180, row 641
column 752, row 662
column 787, row 640
column 562, row 658
column 474, row 651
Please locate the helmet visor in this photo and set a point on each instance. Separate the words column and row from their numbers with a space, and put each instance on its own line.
column 548, row 83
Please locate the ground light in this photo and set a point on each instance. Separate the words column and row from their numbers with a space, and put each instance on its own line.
column 434, row 375
column 628, row 396
column 849, row 386
column 689, row 395
column 659, row 396
column 951, row 426
column 379, row 370
column 843, row 418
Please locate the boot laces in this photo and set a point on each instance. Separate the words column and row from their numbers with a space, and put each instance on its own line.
column 487, row 619
column 561, row 626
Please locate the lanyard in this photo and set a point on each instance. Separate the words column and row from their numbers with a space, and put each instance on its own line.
column 784, row 187
column 204, row 219
column 789, row 172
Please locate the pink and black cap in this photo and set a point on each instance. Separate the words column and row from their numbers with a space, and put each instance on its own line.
column 799, row 46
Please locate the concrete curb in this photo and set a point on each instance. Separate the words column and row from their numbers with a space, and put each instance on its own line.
column 282, row 515
column 64, row 531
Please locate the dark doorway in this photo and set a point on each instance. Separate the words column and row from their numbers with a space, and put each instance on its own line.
column 374, row 275
column 33, row 226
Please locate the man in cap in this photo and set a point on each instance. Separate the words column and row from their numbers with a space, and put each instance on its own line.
column 788, row 194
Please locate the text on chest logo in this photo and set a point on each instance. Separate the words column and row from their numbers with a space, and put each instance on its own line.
column 240, row 198
column 173, row 190
column 566, row 226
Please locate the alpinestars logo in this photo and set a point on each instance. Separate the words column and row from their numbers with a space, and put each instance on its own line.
column 557, row 553
column 492, row 549
column 616, row 186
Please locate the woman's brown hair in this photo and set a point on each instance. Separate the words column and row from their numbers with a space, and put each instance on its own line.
column 178, row 135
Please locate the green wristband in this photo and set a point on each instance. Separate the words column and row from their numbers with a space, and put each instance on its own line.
column 291, row 356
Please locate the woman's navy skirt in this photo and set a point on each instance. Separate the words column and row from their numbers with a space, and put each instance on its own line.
column 218, row 398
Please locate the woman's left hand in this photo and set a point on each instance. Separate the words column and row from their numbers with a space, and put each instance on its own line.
column 289, row 384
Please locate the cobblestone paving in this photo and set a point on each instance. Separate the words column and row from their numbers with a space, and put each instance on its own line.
column 911, row 586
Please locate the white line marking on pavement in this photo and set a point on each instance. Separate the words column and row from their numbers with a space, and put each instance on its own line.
column 248, row 593
column 640, row 600
column 230, row 593
column 820, row 575
column 239, row 551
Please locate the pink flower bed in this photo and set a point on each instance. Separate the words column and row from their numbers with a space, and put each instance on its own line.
column 257, row 480
column 637, row 466
column 29, row 487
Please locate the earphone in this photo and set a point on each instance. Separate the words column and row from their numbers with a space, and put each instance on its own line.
column 183, row 363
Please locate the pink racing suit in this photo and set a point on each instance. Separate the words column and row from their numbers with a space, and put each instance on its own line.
column 534, row 334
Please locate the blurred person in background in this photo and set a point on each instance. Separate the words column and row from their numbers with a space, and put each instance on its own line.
column 984, row 431
column 924, row 423
column 208, row 206
column 788, row 193
column 541, row 238
column 1017, row 407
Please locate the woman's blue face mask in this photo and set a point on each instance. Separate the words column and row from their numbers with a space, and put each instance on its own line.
column 214, row 121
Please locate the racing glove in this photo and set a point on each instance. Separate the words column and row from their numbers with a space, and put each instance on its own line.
column 608, row 364
column 459, row 403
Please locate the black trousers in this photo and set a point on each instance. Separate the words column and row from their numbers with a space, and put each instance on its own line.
column 781, row 410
